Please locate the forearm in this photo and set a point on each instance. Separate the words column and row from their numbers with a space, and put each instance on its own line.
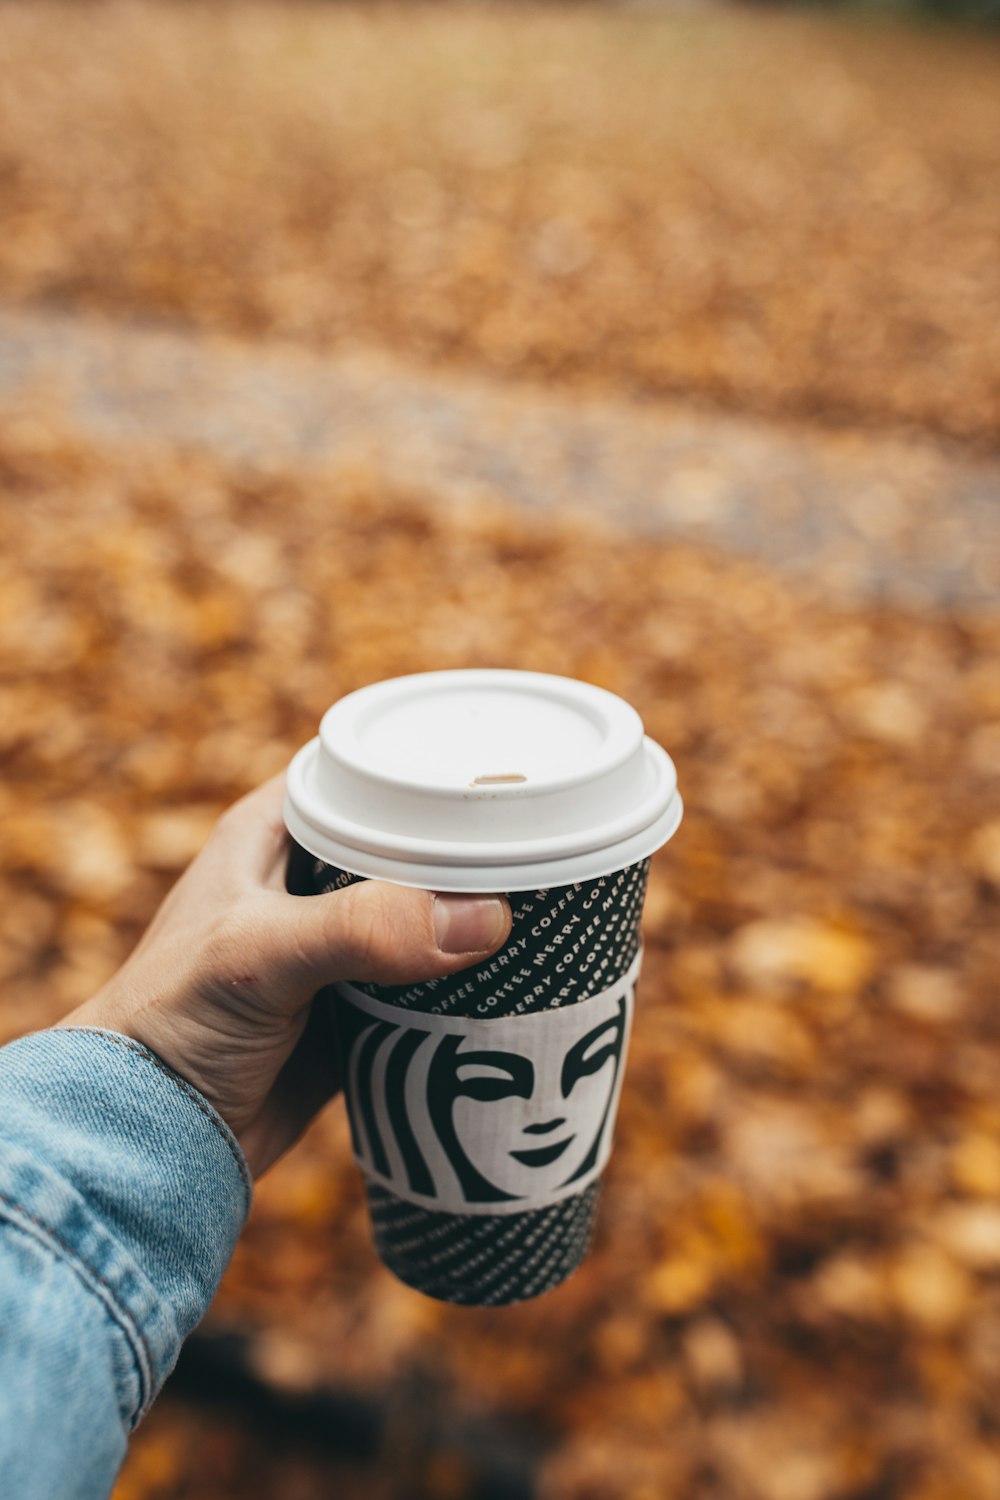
column 122, row 1193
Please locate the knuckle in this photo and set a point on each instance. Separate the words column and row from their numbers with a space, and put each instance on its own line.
column 224, row 829
column 232, row 940
column 233, row 817
column 362, row 927
column 381, row 933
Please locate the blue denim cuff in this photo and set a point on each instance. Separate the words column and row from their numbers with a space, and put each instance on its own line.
column 125, row 1172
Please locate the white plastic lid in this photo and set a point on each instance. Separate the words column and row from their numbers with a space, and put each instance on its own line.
column 482, row 781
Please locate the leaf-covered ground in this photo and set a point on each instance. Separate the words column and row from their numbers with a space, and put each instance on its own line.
column 785, row 213
column 795, row 1294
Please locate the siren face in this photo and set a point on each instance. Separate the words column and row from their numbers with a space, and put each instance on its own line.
column 528, row 1128
column 493, row 1115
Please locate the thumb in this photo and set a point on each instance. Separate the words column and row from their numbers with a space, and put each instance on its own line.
column 383, row 933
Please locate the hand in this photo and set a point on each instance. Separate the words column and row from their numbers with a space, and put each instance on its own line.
column 221, row 984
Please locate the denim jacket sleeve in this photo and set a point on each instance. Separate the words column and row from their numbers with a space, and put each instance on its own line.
column 122, row 1194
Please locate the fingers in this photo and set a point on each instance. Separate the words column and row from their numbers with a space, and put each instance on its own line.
column 375, row 931
column 387, row 934
column 250, row 838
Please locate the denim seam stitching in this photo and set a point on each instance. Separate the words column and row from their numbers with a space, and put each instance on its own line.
column 124, row 1318
column 184, row 1087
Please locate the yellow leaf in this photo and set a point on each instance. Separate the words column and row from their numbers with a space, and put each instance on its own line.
column 801, row 949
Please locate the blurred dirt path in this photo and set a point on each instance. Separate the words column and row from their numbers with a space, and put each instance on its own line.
column 905, row 518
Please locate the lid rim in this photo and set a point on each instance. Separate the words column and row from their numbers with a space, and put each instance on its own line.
column 544, row 874
column 409, row 849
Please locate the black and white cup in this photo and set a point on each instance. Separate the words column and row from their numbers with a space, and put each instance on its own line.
column 482, row 1105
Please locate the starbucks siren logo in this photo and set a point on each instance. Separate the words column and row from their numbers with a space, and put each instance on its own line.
column 484, row 1116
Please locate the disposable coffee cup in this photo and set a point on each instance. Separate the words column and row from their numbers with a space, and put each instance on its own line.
column 482, row 1106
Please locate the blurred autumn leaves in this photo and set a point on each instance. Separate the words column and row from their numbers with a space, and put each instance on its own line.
column 781, row 212
column 795, row 1294
column 800, row 1251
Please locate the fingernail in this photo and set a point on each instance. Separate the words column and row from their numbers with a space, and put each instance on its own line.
column 468, row 924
